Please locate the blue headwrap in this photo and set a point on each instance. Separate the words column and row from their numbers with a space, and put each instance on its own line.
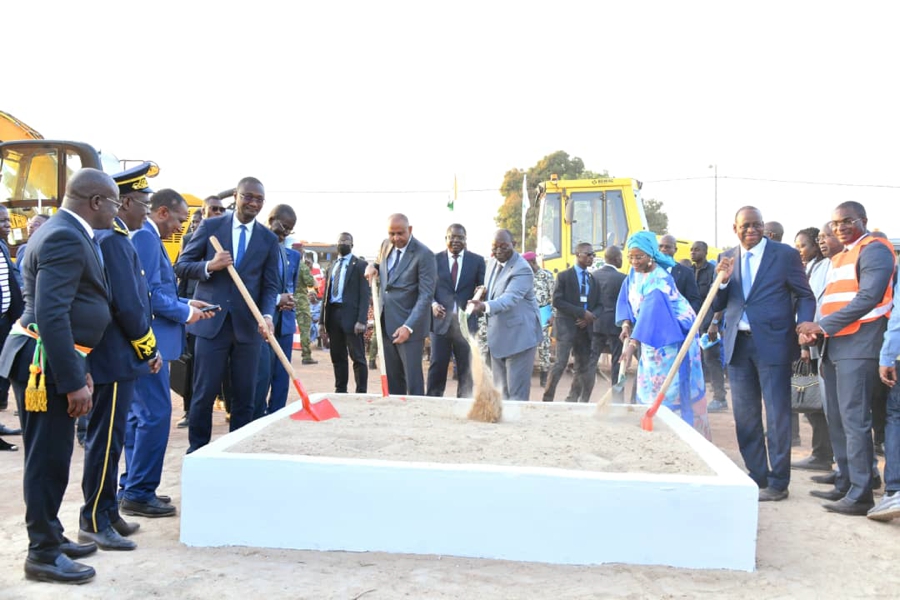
column 645, row 241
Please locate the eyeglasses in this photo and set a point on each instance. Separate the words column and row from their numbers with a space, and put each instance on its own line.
column 637, row 257
column 748, row 226
column 848, row 222
column 592, row 254
column 252, row 198
column 112, row 201
column 215, row 209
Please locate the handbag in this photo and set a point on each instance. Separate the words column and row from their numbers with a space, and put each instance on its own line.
column 806, row 396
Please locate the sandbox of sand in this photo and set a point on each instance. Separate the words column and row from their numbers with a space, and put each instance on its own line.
column 551, row 482
column 530, row 435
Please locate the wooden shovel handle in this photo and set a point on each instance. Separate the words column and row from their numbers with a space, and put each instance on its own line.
column 262, row 322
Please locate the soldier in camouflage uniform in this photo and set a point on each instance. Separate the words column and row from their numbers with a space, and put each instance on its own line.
column 543, row 293
column 305, row 280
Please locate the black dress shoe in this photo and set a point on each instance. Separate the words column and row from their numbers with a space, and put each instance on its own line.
column 811, row 463
column 4, row 445
column 124, row 528
column 830, row 495
column 75, row 550
column 108, row 539
column 826, row 479
column 846, row 506
column 4, row 430
column 154, row 508
column 62, row 570
column 164, row 499
column 772, row 495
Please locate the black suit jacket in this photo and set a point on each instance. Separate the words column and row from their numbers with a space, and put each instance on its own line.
column 115, row 358
column 608, row 280
column 67, row 296
column 355, row 298
column 471, row 275
column 687, row 285
column 568, row 305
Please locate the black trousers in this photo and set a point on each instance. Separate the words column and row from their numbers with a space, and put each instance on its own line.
column 341, row 345
column 48, row 438
column 442, row 346
column 578, row 344
column 102, row 450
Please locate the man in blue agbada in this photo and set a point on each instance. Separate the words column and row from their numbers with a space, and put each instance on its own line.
column 655, row 320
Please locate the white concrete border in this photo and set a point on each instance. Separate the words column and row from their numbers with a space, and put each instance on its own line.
column 484, row 511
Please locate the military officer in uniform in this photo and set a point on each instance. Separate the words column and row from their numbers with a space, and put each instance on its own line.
column 127, row 350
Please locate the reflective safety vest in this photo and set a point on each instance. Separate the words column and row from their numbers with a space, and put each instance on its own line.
column 843, row 286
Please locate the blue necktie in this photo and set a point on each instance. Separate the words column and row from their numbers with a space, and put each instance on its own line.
column 336, row 295
column 746, row 283
column 242, row 245
column 393, row 262
column 584, row 287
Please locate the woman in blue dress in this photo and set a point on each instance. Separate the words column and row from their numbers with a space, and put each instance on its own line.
column 655, row 319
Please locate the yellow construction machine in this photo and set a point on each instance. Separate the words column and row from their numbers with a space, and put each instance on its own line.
column 34, row 172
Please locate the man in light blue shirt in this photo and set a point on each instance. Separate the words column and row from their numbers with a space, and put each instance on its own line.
column 888, row 365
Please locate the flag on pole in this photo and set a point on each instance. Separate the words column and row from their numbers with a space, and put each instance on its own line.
column 525, row 205
column 452, row 201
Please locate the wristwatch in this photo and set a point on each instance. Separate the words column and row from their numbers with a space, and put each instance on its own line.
column 715, row 322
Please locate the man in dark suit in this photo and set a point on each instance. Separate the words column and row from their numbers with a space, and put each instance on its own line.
column 128, row 349
column 212, row 207
column 11, row 306
column 150, row 417
column 459, row 272
column 608, row 280
column 344, row 315
column 406, row 274
column 856, row 306
column 713, row 372
column 577, row 302
column 683, row 276
column 765, row 288
column 232, row 332
column 272, row 375
column 68, row 305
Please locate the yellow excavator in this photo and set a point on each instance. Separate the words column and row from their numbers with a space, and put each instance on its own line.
column 603, row 212
column 34, row 172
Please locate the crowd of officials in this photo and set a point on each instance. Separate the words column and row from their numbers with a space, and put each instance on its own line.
column 94, row 311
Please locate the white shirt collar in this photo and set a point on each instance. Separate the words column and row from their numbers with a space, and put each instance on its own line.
column 855, row 242
column 756, row 250
column 235, row 224
column 87, row 228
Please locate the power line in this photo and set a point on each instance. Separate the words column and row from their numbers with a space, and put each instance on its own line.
column 792, row 181
column 380, row 191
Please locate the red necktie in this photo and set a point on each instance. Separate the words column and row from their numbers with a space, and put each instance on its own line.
column 454, row 272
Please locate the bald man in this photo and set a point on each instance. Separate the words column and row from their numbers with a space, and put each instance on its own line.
column 406, row 272
column 67, row 309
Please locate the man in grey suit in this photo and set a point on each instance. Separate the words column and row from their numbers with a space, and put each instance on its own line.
column 406, row 272
column 513, row 321
column 856, row 306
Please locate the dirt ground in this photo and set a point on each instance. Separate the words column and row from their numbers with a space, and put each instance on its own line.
column 803, row 551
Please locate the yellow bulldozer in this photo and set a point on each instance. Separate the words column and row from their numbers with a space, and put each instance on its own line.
column 603, row 212
column 34, row 172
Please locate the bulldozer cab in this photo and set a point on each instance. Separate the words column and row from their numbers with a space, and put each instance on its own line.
column 33, row 175
column 602, row 212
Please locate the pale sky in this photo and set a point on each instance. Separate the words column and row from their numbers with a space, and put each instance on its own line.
column 400, row 96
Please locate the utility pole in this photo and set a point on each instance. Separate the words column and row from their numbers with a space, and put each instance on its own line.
column 715, row 168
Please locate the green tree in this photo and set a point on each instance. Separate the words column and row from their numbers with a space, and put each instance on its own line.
column 657, row 219
column 509, row 215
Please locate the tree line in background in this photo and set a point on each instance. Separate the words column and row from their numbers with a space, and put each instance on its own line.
column 509, row 215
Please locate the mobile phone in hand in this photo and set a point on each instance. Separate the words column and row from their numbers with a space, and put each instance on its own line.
column 210, row 308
